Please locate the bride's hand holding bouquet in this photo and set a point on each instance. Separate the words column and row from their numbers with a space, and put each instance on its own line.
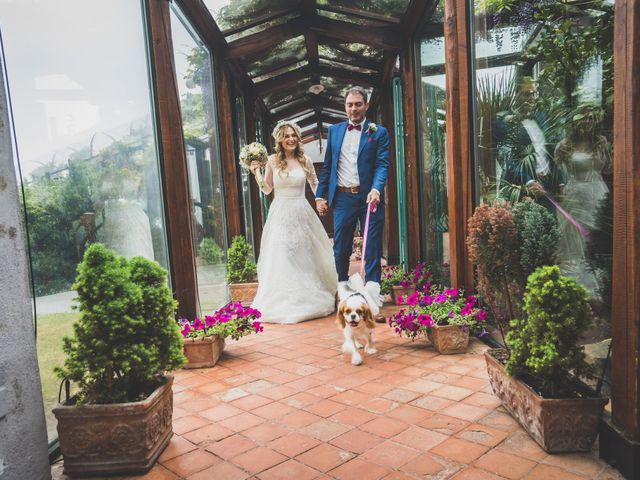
column 253, row 157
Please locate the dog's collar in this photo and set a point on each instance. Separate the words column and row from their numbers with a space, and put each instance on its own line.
column 356, row 294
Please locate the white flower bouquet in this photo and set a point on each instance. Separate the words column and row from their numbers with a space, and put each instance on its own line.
column 253, row 152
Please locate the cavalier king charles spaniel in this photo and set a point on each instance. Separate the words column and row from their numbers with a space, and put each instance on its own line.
column 356, row 320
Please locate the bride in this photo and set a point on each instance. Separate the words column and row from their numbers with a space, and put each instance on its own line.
column 297, row 278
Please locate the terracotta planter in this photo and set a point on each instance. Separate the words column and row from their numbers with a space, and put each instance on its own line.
column 243, row 292
column 399, row 291
column 115, row 438
column 558, row 425
column 449, row 339
column 203, row 352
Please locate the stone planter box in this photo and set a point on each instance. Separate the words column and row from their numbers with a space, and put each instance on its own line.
column 243, row 292
column 115, row 438
column 203, row 352
column 449, row 339
column 558, row 425
column 398, row 291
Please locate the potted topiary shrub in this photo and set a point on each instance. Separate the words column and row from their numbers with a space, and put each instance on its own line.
column 241, row 271
column 538, row 381
column 204, row 341
column 123, row 345
column 506, row 244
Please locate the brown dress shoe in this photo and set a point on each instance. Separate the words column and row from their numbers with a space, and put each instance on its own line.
column 380, row 318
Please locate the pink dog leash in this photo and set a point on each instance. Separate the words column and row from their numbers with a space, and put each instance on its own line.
column 370, row 208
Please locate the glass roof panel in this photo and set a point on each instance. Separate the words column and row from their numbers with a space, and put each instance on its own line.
column 361, row 50
column 347, row 66
column 389, row 8
column 262, row 26
column 332, row 52
column 351, row 19
column 280, row 71
column 295, row 101
column 235, row 13
column 287, row 52
column 287, row 95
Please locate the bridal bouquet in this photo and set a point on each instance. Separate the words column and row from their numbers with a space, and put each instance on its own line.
column 253, row 152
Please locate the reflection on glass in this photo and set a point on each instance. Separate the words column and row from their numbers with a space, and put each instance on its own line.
column 87, row 149
column 200, row 129
column 544, row 105
column 433, row 173
column 245, row 180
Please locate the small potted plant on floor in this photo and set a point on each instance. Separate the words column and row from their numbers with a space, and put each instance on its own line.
column 395, row 282
column 444, row 315
column 204, row 339
column 241, row 271
column 538, row 377
column 122, row 347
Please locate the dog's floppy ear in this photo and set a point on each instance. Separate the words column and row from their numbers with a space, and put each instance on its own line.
column 340, row 316
column 368, row 317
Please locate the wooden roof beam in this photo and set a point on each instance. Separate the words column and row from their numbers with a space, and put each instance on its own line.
column 254, row 22
column 264, row 39
column 387, row 38
column 353, row 56
column 354, row 12
column 286, row 80
column 416, row 12
column 367, row 79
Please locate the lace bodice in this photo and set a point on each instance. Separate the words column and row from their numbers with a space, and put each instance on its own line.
column 288, row 184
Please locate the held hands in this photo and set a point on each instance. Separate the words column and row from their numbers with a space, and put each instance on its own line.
column 536, row 188
column 321, row 207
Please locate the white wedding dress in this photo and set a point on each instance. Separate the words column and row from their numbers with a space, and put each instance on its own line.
column 297, row 278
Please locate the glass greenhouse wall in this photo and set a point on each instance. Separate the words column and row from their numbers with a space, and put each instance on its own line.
column 84, row 123
column 544, row 129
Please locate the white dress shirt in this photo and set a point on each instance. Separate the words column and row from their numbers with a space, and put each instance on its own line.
column 348, row 160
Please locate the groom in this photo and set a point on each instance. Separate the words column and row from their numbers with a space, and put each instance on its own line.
column 353, row 175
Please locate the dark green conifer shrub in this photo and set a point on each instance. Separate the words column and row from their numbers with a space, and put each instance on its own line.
column 240, row 267
column 126, row 338
column 544, row 345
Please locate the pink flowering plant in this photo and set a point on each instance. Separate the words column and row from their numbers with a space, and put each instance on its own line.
column 393, row 275
column 420, row 276
column 438, row 306
column 233, row 320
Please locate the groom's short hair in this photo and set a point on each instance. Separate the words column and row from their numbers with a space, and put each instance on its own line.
column 356, row 90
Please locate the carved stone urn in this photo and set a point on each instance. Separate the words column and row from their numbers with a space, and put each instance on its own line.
column 243, row 292
column 115, row 438
column 398, row 291
column 449, row 339
column 203, row 352
column 558, row 425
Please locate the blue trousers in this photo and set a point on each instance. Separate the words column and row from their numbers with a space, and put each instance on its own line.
column 348, row 208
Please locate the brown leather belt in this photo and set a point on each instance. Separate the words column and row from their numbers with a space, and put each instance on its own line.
column 348, row 189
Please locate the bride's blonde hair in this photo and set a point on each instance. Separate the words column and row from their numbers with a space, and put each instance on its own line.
column 278, row 135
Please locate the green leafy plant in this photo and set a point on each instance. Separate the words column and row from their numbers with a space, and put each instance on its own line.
column 539, row 236
column 126, row 338
column 438, row 306
column 210, row 251
column 240, row 267
column 232, row 320
column 544, row 344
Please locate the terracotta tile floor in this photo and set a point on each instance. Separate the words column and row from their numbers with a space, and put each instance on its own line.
column 286, row 404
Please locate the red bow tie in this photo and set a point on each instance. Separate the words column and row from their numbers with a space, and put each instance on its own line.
column 352, row 126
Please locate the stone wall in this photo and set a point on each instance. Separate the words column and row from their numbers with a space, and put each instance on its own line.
column 23, row 434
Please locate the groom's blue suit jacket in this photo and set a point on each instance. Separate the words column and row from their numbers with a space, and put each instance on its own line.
column 373, row 161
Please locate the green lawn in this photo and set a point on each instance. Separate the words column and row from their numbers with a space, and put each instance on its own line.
column 51, row 329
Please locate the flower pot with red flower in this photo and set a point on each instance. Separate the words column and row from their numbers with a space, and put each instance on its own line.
column 445, row 316
column 204, row 339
